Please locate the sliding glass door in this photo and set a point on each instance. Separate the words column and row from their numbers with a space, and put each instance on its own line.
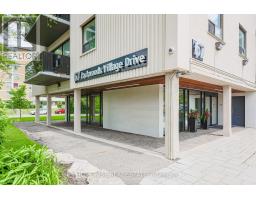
column 211, row 105
column 195, row 100
column 92, row 109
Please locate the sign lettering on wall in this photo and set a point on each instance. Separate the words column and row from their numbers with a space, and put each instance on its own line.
column 197, row 50
column 128, row 62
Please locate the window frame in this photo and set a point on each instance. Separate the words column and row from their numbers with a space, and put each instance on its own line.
column 242, row 29
column 61, row 45
column 93, row 18
column 221, row 26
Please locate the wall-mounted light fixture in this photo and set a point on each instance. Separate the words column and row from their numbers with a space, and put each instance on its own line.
column 218, row 46
column 182, row 73
column 245, row 61
column 171, row 50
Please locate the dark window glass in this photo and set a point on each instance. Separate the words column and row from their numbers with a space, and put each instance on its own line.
column 89, row 33
column 66, row 48
column 215, row 25
column 63, row 49
column 242, row 41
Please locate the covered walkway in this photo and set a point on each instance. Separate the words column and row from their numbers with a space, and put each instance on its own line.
column 188, row 140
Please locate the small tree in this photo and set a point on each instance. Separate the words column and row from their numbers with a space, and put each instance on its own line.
column 18, row 98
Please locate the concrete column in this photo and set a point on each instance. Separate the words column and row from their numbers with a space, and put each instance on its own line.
column 227, row 112
column 171, row 115
column 66, row 108
column 49, row 110
column 37, row 109
column 77, row 110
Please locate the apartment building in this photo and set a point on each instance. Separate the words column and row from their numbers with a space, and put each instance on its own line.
column 15, row 77
column 143, row 74
column 19, row 51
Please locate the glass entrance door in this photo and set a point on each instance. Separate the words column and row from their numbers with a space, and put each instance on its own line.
column 94, row 109
column 211, row 104
column 91, row 109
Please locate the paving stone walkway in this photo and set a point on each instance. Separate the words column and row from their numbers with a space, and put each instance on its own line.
column 188, row 140
column 113, row 163
column 227, row 160
column 230, row 160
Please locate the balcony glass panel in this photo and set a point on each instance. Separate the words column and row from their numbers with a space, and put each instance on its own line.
column 48, row 62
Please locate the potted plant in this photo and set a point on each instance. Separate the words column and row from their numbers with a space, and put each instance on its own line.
column 192, row 118
column 204, row 119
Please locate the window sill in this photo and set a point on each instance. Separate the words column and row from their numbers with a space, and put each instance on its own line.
column 216, row 38
column 87, row 52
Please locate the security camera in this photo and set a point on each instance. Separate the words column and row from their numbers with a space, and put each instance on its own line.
column 218, row 46
column 171, row 50
column 245, row 61
column 182, row 73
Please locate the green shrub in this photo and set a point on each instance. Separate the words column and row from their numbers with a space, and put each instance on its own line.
column 4, row 121
column 28, row 166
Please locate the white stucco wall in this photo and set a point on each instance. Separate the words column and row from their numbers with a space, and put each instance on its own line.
column 250, row 109
column 228, row 58
column 136, row 110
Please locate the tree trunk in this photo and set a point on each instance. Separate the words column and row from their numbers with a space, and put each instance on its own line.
column 20, row 113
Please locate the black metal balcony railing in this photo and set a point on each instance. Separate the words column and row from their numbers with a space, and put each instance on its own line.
column 48, row 62
column 63, row 16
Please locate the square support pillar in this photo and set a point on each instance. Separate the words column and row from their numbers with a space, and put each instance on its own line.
column 49, row 110
column 77, row 110
column 172, row 116
column 227, row 112
column 66, row 108
column 37, row 109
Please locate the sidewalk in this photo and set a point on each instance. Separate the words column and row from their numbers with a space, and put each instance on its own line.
column 227, row 160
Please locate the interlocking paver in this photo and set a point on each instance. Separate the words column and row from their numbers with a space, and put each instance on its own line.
column 230, row 160
column 226, row 160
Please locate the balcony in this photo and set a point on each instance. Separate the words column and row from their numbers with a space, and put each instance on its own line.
column 62, row 16
column 47, row 69
column 48, row 28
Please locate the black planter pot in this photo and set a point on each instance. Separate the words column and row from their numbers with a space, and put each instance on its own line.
column 204, row 124
column 192, row 125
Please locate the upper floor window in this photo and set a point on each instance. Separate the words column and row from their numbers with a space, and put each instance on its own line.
column 63, row 49
column 215, row 25
column 89, row 32
column 242, row 41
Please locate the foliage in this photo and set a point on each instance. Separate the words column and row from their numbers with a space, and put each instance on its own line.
column 60, row 104
column 23, row 161
column 205, row 115
column 33, row 68
column 14, row 138
column 5, row 62
column 28, row 18
column 28, row 165
column 3, row 121
column 193, row 114
column 18, row 98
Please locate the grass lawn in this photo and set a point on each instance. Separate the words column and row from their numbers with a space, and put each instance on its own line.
column 25, row 162
column 32, row 118
column 15, row 138
column 43, row 118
